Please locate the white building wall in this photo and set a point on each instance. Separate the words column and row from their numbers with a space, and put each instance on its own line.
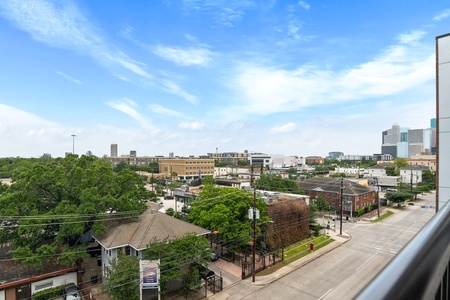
column 2, row 295
column 53, row 282
column 443, row 117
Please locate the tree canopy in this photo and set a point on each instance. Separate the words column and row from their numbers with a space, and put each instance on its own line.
column 180, row 259
column 226, row 210
column 51, row 205
column 123, row 278
column 273, row 182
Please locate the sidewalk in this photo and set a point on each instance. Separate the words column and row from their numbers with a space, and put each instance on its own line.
column 229, row 268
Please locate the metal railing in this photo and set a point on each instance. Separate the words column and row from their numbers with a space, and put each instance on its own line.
column 421, row 269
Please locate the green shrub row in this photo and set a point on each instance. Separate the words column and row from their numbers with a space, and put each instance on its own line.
column 50, row 293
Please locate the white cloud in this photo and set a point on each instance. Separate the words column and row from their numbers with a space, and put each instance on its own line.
column 159, row 109
column 289, row 127
column 128, row 107
column 70, row 78
column 411, row 37
column 175, row 89
column 401, row 67
column 442, row 15
column 184, row 57
column 195, row 125
column 304, row 5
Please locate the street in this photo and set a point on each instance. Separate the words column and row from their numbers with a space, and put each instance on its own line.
column 343, row 272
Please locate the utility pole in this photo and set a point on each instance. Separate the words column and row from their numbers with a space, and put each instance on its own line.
column 342, row 207
column 378, row 197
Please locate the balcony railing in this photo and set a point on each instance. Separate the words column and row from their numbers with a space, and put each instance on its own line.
column 421, row 269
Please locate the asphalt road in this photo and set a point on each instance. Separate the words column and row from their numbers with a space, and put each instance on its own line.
column 343, row 272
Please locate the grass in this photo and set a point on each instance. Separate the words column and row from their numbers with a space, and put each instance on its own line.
column 296, row 251
column 382, row 217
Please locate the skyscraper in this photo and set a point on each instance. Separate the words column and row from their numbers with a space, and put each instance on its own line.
column 113, row 150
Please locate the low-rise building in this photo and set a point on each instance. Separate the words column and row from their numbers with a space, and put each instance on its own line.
column 186, row 168
column 355, row 196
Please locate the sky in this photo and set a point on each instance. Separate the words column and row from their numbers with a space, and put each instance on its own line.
column 193, row 77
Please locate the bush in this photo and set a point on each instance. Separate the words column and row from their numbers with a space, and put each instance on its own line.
column 50, row 293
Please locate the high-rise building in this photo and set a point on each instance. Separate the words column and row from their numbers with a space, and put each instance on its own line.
column 405, row 142
column 113, row 150
column 443, row 119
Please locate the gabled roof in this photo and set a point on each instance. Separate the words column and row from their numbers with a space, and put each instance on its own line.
column 333, row 185
column 150, row 225
column 413, row 167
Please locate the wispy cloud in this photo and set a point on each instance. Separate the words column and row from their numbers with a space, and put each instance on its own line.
column 129, row 107
column 195, row 125
column 184, row 57
column 411, row 37
column 159, row 109
column 289, row 127
column 175, row 89
column 442, row 15
column 304, row 5
column 400, row 67
column 225, row 13
column 70, row 78
column 62, row 25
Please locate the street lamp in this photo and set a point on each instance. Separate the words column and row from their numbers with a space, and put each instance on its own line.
column 73, row 143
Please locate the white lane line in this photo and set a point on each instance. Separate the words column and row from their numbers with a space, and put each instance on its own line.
column 324, row 294
column 366, row 261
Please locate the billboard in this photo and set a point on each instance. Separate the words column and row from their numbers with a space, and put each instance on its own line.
column 149, row 270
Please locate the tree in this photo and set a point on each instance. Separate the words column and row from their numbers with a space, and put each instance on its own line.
column 392, row 170
column 180, row 259
column 123, row 278
column 321, row 203
column 398, row 197
column 51, row 205
column 400, row 162
column 273, row 182
column 243, row 163
column 208, row 179
column 292, row 173
column 226, row 210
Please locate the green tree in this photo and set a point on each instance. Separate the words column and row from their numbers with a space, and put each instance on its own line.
column 321, row 203
column 400, row 162
column 180, row 259
column 292, row 173
column 273, row 182
column 392, row 170
column 398, row 197
column 123, row 278
column 226, row 210
column 208, row 179
column 243, row 163
column 51, row 205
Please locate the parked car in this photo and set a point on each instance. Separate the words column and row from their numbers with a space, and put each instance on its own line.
column 411, row 204
column 71, row 292
column 167, row 197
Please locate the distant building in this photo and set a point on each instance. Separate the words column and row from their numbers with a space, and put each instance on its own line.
column 114, row 150
column 412, row 174
column 314, row 160
column 406, row 142
column 335, row 154
column 231, row 158
column 428, row 161
column 186, row 168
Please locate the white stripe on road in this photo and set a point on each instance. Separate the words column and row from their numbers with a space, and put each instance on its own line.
column 325, row 294
column 366, row 261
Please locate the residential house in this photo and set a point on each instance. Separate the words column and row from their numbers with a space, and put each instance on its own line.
column 133, row 236
column 412, row 174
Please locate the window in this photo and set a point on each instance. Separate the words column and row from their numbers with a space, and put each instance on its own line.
column 44, row 285
column 127, row 250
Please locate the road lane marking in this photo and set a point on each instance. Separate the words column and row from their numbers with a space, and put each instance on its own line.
column 366, row 261
column 325, row 294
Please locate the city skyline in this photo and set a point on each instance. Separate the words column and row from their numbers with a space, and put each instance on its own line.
column 289, row 77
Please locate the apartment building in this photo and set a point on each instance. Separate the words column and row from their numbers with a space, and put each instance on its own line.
column 231, row 158
column 186, row 168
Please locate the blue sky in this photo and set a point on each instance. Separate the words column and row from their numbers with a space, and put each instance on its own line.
column 189, row 76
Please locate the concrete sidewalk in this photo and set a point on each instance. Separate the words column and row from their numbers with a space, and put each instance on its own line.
column 238, row 286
